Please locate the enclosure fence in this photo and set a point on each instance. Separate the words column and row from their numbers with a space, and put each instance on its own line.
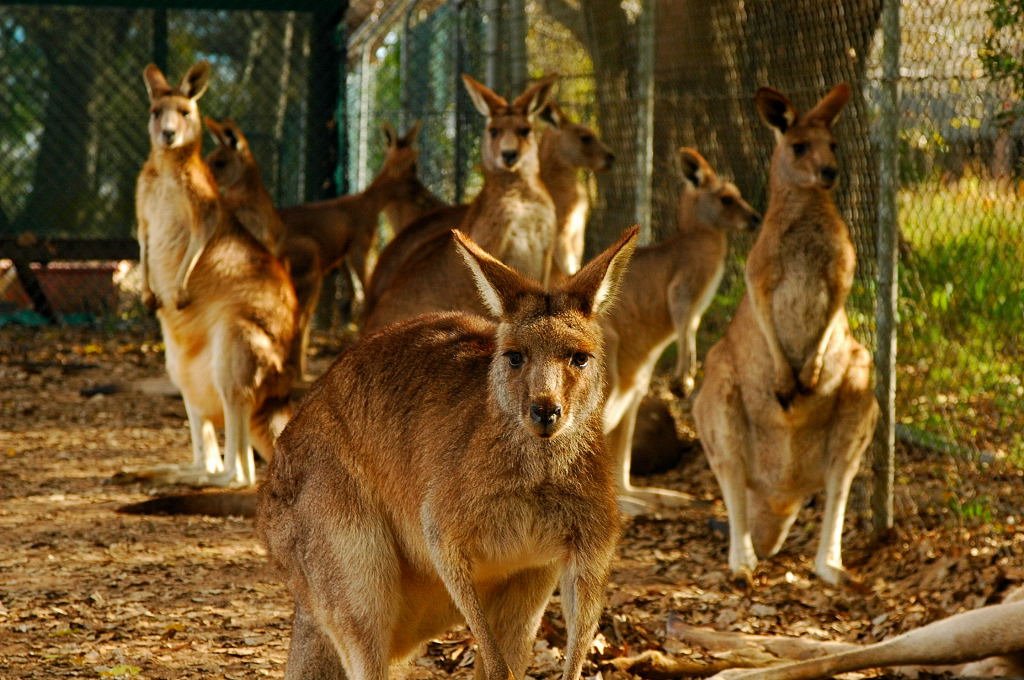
column 648, row 75
column 652, row 76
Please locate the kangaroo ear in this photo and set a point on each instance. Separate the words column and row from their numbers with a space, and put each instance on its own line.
column 156, row 83
column 193, row 85
column 410, row 136
column 535, row 97
column 597, row 283
column 827, row 110
column 775, row 109
column 389, row 134
column 216, row 130
column 696, row 171
column 233, row 134
column 552, row 115
column 500, row 286
column 486, row 100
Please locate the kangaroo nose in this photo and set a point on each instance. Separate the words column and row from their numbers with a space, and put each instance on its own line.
column 545, row 414
column 509, row 157
column 168, row 136
column 609, row 159
column 754, row 222
column 829, row 174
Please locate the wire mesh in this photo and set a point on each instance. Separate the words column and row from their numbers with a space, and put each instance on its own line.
column 961, row 304
column 73, row 114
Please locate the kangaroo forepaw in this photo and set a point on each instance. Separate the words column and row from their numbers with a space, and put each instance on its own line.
column 182, row 300
column 150, row 301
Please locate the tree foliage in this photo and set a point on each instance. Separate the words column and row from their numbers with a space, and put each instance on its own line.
column 1002, row 53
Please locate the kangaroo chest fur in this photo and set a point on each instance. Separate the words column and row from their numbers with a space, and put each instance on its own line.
column 801, row 298
column 169, row 214
column 517, row 226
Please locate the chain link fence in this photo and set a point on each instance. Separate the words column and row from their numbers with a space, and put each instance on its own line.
column 73, row 114
column 654, row 75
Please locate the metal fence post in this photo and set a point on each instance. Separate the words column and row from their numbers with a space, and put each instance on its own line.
column 493, row 73
column 883, row 463
column 362, row 150
column 645, row 120
column 517, row 53
column 458, row 142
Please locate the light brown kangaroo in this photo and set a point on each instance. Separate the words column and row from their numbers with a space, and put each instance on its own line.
column 463, row 480
column 410, row 200
column 787, row 408
column 246, row 197
column 565, row 147
column 663, row 297
column 512, row 218
column 227, row 350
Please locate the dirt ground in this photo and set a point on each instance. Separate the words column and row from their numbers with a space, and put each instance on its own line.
column 89, row 593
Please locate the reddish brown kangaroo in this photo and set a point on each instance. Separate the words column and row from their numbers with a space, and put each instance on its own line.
column 512, row 217
column 787, row 408
column 663, row 297
column 410, row 200
column 227, row 350
column 246, row 197
column 565, row 148
column 464, row 478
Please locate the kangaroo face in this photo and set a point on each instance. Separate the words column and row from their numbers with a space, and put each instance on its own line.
column 808, row 157
column 227, row 166
column 713, row 201
column 174, row 122
column 509, row 142
column 549, row 369
column 174, row 111
column 578, row 145
column 805, row 150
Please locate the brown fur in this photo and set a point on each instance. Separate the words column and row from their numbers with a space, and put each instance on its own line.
column 565, row 148
column 227, row 350
column 787, row 407
column 451, row 468
column 246, row 197
column 410, row 200
column 664, row 295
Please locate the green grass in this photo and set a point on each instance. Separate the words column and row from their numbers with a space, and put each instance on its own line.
column 961, row 313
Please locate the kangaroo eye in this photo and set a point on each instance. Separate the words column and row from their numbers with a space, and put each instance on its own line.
column 580, row 359
column 799, row 149
column 515, row 359
column 523, row 131
column 728, row 201
column 494, row 132
column 155, row 114
column 587, row 139
column 832, row 146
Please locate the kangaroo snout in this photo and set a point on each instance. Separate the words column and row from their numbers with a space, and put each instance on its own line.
column 753, row 222
column 545, row 414
column 168, row 136
column 829, row 173
column 510, row 157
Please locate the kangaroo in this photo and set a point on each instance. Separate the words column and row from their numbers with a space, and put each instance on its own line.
column 246, row 197
column 227, row 351
column 564, row 148
column 787, row 408
column 411, row 200
column 991, row 637
column 464, row 478
column 241, row 186
column 512, row 218
column 663, row 297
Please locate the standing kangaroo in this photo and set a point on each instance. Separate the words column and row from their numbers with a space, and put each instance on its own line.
column 227, row 350
column 246, row 197
column 410, row 200
column 663, row 297
column 787, row 408
column 565, row 147
column 450, row 469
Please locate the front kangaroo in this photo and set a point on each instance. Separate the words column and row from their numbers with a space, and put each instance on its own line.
column 663, row 297
column 227, row 350
column 787, row 408
column 451, row 468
